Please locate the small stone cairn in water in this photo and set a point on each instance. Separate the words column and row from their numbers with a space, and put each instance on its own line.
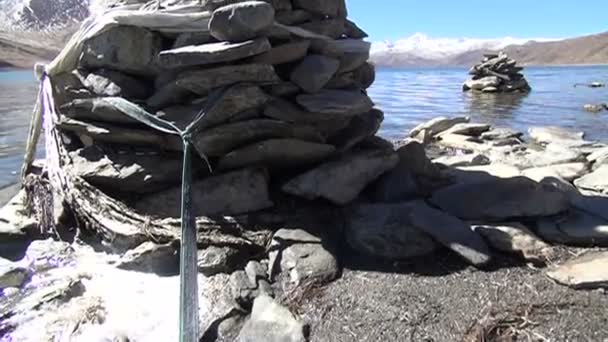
column 497, row 74
column 293, row 118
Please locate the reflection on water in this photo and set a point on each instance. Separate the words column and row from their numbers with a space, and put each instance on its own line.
column 411, row 96
column 494, row 106
column 408, row 97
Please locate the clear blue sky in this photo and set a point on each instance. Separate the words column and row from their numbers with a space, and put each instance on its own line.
column 393, row 19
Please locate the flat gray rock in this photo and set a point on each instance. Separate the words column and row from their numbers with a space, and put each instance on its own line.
column 470, row 159
column 482, row 83
column 277, row 153
column 437, row 125
column 98, row 109
column 236, row 192
column 595, row 181
column 249, row 284
column 589, row 271
column 104, row 82
column 412, row 157
column 341, row 180
column 360, row 128
column 517, row 239
column 577, row 227
column 202, row 81
column 354, row 31
column 395, row 186
column 132, row 172
column 451, row 232
column 285, row 53
column 554, row 134
column 314, row 72
column 386, row 231
column 327, row 124
column 569, row 171
column 192, row 38
column 282, row 89
column 330, row 8
column 241, row 21
column 107, row 50
column 302, row 257
column 352, row 61
column 204, row 54
column 16, row 225
column 222, row 139
column 336, row 102
column 271, row 322
column 471, row 129
column 237, row 99
column 500, row 199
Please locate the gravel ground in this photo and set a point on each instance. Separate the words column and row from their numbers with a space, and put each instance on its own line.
column 442, row 299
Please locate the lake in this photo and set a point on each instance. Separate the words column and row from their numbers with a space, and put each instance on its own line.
column 407, row 96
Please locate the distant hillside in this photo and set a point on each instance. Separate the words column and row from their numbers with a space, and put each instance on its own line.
column 581, row 50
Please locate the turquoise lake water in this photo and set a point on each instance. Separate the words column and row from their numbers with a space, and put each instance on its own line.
column 407, row 96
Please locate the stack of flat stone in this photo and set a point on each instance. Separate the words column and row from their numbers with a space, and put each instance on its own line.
column 497, row 73
column 291, row 114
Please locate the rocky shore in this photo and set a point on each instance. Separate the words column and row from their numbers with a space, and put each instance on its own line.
column 468, row 220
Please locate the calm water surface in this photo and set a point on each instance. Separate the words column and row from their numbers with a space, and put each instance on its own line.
column 407, row 96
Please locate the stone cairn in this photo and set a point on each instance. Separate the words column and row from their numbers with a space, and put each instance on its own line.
column 292, row 119
column 497, row 73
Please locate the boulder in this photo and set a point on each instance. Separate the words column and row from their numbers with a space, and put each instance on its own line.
column 131, row 172
column 551, row 134
column 342, row 102
column 303, row 258
column 437, row 125
column 204, row 54
column 249, row 284
column 341, row 180
column 515, row 238
column 285, row 53
column 150, row 257
column 202, row 81
column 105, row 82
column 386, row 231
column 589, row 271
column 271, row 322
column 595, row 181
column 294, row 17
column 236, row 192
column 12, row 275
column 332, row 28
column 44, row 255
column 577, row 227
column 412, row 156
column 461, row 160
column 500, row 199
column 107, row 50
column 331, row 8
column 475, row 174
column 451, row 232
column 314, row 72
column 277, row 154
column 569, row 171
column 241, row 21
column 213, row 260
column 222, row 139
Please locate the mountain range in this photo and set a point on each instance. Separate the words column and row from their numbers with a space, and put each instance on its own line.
column 421, row 50
column 34, row 30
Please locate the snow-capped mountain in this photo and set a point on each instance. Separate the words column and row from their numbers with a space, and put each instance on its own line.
column 422, row 47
